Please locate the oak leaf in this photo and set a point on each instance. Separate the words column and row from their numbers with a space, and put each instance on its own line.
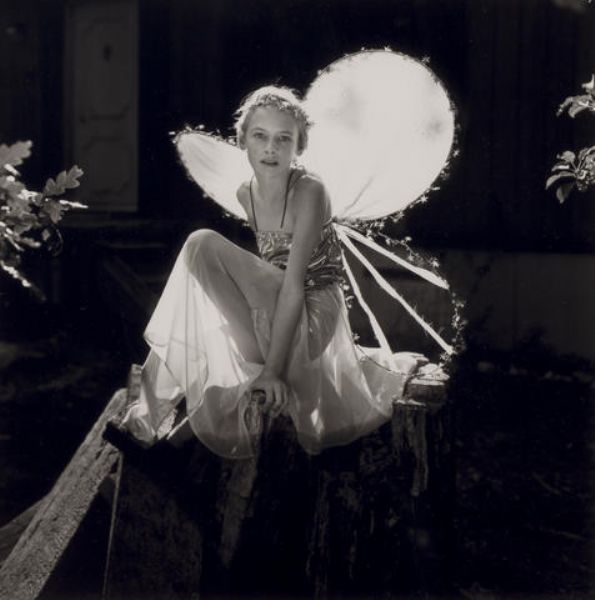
column 14, row 154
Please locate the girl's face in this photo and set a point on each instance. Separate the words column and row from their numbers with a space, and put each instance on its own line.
column 271, row 140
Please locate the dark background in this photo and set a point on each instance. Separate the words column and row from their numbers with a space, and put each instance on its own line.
column 507, row 66
column 522, row 261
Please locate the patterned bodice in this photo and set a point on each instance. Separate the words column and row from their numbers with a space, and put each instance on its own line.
column 325, row 266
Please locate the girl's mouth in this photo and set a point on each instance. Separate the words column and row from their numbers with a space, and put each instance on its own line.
column 270, row 163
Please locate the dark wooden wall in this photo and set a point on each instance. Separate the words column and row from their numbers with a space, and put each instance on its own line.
column 507, row 65
column 523, row 59
column 31, row 82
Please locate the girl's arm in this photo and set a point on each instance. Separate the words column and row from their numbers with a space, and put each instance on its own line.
column 309, row 198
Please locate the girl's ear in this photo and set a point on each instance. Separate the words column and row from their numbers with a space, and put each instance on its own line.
column 241, row 142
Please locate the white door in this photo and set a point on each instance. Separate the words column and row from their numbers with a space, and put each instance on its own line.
column 101, row 96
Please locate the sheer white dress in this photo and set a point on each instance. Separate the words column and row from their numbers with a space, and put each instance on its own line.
column 210, row 332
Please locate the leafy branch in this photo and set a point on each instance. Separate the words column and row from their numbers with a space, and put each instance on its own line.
column 575, row 170
column 28, row 219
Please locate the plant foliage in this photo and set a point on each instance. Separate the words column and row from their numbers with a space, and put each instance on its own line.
column 29, row 219
column 575, row 170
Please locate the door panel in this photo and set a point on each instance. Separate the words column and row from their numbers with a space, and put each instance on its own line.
column 101, row 62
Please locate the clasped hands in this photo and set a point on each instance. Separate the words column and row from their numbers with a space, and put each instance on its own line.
column 269, row 390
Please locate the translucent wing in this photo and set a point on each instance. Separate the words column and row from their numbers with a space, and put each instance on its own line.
column 383, row 131
column 216, row 165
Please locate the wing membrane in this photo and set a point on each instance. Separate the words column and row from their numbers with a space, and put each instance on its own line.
column 383, row 132
column 216, row 165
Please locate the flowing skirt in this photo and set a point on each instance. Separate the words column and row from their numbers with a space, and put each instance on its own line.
column 209, row 336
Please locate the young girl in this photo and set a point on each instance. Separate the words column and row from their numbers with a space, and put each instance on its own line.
column 230, row 324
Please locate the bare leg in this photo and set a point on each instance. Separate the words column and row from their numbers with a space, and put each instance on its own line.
column 214, row 283
column 236, row 281
column 159, row 394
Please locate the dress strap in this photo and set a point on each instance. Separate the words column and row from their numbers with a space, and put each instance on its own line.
column 252, row 205
column 287, row 188
column 286, row 195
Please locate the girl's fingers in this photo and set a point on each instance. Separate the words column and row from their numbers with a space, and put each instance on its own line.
column 283, row 399
column 270, row 398
column 280, row 400
column 258, row 396
column 275, row 404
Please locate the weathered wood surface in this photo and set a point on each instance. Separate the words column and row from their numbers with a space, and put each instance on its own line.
column 156, row 549
column 33, row 558
column 382, row 524
column 367, row 518
column 11, row 532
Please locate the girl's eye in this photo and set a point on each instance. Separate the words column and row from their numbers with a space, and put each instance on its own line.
column 285, row 139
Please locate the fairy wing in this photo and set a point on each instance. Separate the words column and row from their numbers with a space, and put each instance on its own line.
column 383, row 132
column 216, row 165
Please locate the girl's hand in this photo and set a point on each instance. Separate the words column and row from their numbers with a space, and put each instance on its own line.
column 274, row 390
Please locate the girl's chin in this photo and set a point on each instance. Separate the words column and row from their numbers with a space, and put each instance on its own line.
column 272, row 168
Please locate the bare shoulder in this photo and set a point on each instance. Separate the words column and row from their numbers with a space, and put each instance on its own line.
column 311, row 191
column 243, row 195
column 310, row 184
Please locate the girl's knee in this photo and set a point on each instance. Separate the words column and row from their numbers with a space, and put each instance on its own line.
column 203, row 244
column 203, row 236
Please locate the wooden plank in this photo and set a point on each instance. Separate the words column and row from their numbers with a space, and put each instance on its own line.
column 11, row 532
column 36, row 554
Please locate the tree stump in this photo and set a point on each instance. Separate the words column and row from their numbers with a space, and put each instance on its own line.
column 371, row 518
